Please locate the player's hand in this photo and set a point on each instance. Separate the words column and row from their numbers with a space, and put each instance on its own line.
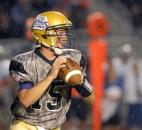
column 82, row 80
column 58, row 63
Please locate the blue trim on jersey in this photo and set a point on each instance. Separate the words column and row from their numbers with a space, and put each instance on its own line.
column 25, row 85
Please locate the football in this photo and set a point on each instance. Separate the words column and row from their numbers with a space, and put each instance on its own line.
column 72, row 73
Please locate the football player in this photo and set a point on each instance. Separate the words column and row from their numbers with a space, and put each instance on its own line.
column 43, row 99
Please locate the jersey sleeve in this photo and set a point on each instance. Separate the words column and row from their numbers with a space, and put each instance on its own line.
column 18, row 72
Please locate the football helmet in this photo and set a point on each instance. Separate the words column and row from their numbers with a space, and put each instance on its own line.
column 51, row 29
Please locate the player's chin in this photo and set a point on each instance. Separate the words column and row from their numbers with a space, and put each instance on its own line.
column 62, row 44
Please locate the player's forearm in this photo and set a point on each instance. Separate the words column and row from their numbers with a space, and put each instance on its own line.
column 28, row 97
column 86, row 91
column 90, row 99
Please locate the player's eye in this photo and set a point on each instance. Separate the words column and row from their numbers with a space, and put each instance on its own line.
column 61, row 32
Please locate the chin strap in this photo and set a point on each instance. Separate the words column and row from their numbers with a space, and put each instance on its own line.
column 57, row 51
column 60, row 51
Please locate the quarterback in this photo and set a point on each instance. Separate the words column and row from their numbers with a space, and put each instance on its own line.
column 43, row 99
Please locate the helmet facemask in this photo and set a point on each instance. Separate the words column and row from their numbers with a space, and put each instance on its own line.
column 60, row 39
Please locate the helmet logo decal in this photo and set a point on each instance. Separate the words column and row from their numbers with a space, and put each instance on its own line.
column 40, row 23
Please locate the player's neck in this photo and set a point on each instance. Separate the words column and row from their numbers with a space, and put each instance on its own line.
column 49, row 54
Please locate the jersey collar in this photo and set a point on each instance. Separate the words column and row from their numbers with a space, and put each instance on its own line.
column 43, row 57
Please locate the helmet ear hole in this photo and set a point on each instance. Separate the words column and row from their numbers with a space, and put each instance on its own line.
column 44, row 36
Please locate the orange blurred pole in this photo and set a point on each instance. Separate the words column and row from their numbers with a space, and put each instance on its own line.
column 97, row 26
column 97, row 59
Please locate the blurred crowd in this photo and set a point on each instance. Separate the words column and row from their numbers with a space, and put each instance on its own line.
column 14, row 13
column 123, row 92
column 135, row 9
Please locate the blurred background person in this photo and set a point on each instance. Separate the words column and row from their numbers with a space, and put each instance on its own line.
column 132, row 95
column 7, row 94
column 5, row 23
column 19, row 12
column 111, row 105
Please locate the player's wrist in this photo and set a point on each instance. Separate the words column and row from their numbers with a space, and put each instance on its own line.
column 82, row 81
column 51, row 77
